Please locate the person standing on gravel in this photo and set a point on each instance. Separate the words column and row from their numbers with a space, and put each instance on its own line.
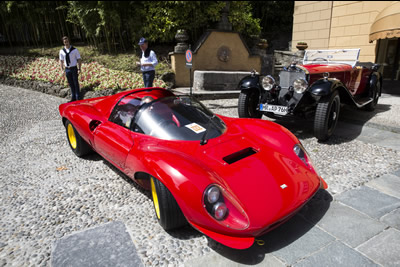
column 70, row 61
column 147, row 62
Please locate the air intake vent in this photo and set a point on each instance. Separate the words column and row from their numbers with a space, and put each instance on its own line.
column 244, row 153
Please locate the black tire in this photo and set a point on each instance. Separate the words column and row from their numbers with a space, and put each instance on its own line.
column 326, row 116
column 168, row 213
column 248, row 101
column 374, row 94
column 75, row 141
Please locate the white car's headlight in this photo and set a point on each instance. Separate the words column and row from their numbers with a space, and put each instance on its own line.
column 268, row 82
column 300, row 85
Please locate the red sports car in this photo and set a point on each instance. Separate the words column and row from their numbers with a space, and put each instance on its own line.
column 232, row 179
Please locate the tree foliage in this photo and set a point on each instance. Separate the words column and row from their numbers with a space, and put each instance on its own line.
column 170, row 16
column 195, row 17
column 117, row 25
column 274, row 16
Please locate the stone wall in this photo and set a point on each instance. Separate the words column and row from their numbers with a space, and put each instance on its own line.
column 311, row 23
column 285, row 58
column 351, row 24
column 337, row 25
column 216, row 51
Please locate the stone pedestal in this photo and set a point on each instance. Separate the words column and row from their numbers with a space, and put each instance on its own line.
column 267, row 64
column 181, row 48
column 224, row 23
column 181, row 36
column 300, row 54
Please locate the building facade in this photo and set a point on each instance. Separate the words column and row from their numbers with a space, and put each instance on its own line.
column 372, row 26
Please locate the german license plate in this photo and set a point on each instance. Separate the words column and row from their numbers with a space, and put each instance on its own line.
column 281, row 110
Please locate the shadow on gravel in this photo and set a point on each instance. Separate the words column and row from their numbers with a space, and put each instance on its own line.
column 391, row 87
column 184, row 233
column 281, row 237
column 127, row 179
column 359, row 117
column 218, row 106
column 349, row 127
column 96, row 157
column 92, row 157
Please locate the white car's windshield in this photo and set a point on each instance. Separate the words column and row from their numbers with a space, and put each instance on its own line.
column 341, row 56
column 178, row 118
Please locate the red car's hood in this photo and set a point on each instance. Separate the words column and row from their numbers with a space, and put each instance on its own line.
column 321, row 68
column 260, row 169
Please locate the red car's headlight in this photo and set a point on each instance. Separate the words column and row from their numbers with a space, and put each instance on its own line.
column 224, row 208
column 302, row 154
column 213, row 194
column 220, row 211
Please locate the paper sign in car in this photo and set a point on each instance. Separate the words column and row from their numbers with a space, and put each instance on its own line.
column 195, row 128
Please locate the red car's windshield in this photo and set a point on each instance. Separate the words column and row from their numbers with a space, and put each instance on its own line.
column 178, row 118
column 337, row 56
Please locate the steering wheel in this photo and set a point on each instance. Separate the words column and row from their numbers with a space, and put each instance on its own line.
column 320, row 59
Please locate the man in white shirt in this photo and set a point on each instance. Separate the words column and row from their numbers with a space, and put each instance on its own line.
column 147, row 63
column 70, row 61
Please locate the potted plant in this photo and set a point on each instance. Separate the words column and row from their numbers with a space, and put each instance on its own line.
column 301, row 45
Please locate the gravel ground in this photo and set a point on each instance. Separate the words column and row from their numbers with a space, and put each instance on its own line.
column 47, row 192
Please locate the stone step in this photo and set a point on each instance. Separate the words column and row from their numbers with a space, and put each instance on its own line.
column 214, row 80
column 207, row 95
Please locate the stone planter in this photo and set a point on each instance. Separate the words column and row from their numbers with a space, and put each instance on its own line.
column 262, row 45
column 181, row 36
column 302, row 46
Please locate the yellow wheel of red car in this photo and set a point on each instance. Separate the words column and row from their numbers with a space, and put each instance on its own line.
column 155, row 198
column 71, row 136
column 168, row 213
column 77, row 144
